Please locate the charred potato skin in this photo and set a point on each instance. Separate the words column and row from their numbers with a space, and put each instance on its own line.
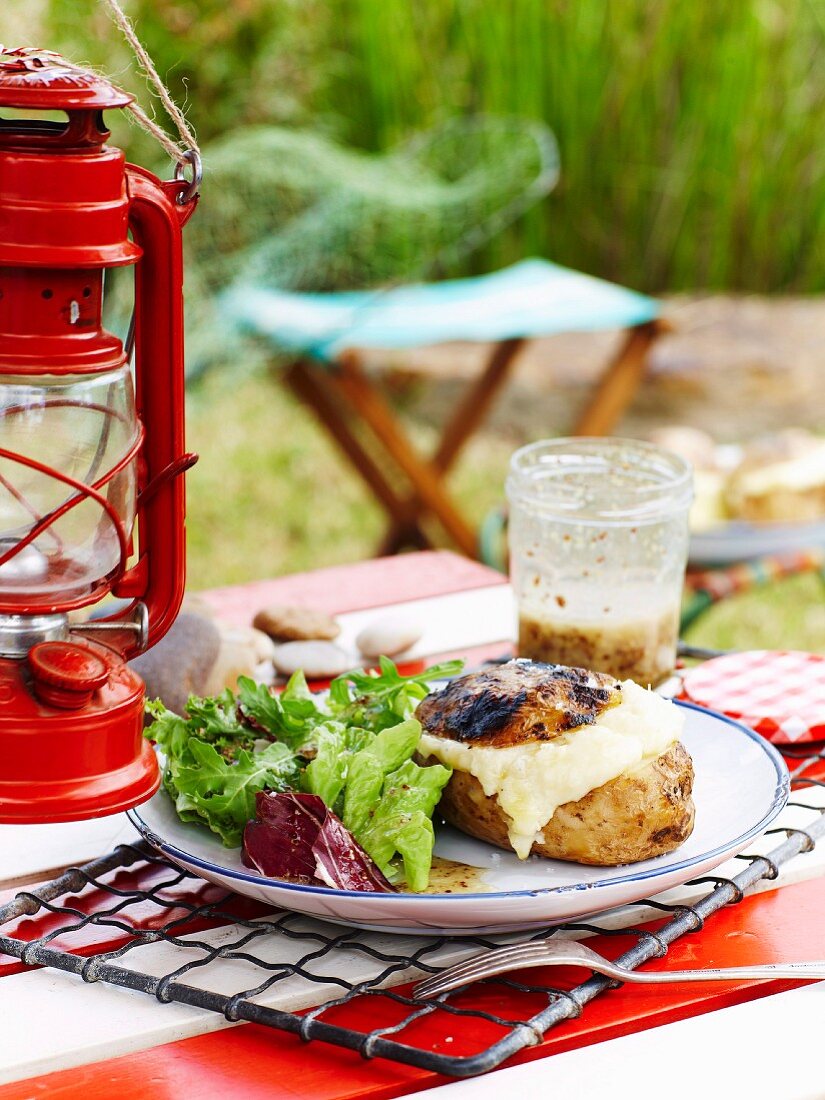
column 637, row 816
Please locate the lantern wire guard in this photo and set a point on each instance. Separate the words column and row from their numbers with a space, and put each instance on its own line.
column 82, row 491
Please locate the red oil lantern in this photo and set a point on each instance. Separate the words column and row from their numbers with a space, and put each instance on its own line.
column 91, row 497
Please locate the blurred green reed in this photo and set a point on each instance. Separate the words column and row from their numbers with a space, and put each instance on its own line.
column 690, row 130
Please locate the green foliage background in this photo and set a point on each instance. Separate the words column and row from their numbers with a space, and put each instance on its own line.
column 690, row 132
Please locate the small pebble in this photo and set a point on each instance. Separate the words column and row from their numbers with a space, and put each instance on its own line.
column 242, row 650
column 293, row 624
column 200, row 656
column 388, row 637
column 180, row 664
column 319, row 660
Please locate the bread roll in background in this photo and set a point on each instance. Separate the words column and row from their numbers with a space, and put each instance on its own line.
column 774, row 478
column 694, row 445
column 781, row 479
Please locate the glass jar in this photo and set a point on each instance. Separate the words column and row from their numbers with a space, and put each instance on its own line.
column 598, row 535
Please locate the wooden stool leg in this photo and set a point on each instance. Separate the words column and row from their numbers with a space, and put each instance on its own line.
column 466, row 419
column 620, row 381
column 306, row 381
column 472, row 410
column 355, row 387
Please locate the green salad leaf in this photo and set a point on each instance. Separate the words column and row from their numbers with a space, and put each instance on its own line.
column 385, row 752
column 169, row 731
column 353, row 747
column 399, row 821
column 383, row 697
column 224, row 793
column 326, row 773
column 292, row 717
column 216, row 717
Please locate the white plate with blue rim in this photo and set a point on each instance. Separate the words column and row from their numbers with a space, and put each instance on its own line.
column 741, row 784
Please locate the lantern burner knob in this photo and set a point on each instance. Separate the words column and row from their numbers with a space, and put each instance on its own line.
column 66, row 674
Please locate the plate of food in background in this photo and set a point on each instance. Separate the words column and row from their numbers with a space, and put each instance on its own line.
column 507, row 799
column 763, row 497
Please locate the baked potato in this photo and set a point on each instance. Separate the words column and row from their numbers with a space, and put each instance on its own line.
column 562, row 763
column 638, row 815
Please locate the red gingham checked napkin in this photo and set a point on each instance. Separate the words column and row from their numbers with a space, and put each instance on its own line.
column 778, row 693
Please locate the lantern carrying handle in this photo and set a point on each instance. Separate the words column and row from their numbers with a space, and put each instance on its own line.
column 158, row 576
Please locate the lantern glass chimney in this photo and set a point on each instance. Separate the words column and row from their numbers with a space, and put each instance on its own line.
column 59, row 541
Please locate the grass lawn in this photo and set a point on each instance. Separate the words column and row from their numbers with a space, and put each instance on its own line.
column 271, row 495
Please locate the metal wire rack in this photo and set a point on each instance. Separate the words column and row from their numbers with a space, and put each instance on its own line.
column 131, row 919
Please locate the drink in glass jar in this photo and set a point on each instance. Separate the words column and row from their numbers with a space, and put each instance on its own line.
column 598, row 546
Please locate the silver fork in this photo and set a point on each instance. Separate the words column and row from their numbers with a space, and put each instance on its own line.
column 570, row 953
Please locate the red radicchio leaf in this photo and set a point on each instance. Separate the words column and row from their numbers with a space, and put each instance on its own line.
column 297, row 837
column 279, row 843
column 272, row 807
column 342, row 862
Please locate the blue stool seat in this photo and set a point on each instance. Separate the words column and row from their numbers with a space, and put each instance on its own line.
column 531, row 298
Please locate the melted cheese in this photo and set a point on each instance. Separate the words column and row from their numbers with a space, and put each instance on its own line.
column 531, row 781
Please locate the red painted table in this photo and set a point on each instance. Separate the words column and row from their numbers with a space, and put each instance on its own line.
column 780, row 924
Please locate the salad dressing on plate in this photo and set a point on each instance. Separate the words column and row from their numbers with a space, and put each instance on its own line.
column 447, row 877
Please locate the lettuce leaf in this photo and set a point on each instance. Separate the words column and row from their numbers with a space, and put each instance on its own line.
column 335, row 747
column 222, row 793
column 400, row 822
column 212, row 767
column 169, row 731
column 213, row 720
column 413, row 838
column 291, row 717
column 383, row 697
column 215, row 717
column 367, row 769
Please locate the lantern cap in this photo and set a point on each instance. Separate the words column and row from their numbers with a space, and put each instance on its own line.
column 65, row 674
column 43, row 80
